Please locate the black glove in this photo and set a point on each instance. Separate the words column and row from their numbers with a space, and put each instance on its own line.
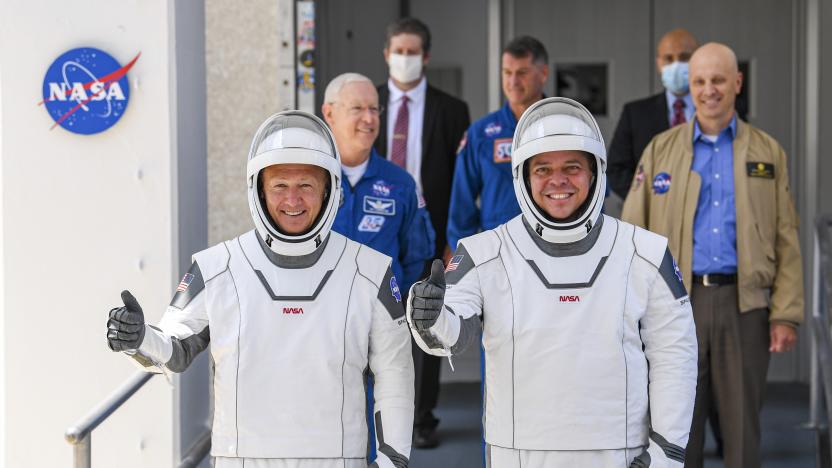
column 125, row 327
column 428, row 296
column 641, row 461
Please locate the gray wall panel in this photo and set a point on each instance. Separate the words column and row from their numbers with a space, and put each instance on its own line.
column 351, row 38
column 598, row 31
column 459, row 35
column 825, row 123
column 193, row 400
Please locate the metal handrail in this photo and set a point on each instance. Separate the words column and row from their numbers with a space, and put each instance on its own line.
column 198, row 451
column 822, row 356
column 80, row 435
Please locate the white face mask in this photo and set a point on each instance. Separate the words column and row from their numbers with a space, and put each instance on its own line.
column 405, row 68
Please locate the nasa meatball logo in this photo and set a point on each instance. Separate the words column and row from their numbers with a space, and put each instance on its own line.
column 661, row 183
column 677, row 271
column 394, row 289
column 86, row 90
column 493, row 129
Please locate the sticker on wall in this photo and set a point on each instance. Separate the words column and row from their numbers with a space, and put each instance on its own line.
column 305, row 58
column 86, row 90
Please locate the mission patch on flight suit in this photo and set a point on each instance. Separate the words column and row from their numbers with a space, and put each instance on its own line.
column 460, row 264
column 390, row 295
column 191, row 285
column 672, row 275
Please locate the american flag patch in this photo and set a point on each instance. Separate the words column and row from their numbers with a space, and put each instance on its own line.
column 186, row 281
column 454, row 263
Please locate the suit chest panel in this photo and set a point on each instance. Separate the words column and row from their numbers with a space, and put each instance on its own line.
column 279, row 323
column 569, row 309
column 552, row 304
column 299, row 315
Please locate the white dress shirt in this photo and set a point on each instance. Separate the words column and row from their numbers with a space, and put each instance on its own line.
column 416, row 108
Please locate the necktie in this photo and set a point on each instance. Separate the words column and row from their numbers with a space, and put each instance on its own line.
column 678, row 112
column 399, row 151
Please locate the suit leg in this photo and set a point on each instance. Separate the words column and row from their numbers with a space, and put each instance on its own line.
column 702, row 304
column 739, row 372
column 754, row 335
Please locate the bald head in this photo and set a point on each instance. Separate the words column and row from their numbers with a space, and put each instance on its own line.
column 675, row 46
column 719, row 54
column 715, row 81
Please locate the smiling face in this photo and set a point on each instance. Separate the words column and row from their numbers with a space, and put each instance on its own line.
column 354, row 119
column 294, row 195
column 560, row 181
column 714, row 83
column 523, row 79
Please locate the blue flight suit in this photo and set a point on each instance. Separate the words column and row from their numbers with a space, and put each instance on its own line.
column 384, row 211
column 483, row 169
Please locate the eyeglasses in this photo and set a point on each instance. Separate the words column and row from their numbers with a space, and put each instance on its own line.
column 355, row 111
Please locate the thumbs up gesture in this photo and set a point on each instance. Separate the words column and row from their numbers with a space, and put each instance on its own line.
column 427, row 297
column 125, row 326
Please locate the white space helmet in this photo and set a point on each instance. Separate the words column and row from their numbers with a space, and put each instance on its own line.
column 293, row 137
column 556, row 124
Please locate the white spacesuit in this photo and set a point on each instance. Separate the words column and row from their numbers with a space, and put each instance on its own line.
column 294, row 323
column 590, row 347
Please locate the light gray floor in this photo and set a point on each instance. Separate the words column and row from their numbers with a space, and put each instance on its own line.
column 784, row 444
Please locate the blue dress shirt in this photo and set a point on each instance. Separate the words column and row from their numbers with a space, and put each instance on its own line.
column 715, row 222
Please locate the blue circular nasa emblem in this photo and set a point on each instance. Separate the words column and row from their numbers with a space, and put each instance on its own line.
column 661, row 183
column 394, row 289
column 86, row 90
column 677, row 271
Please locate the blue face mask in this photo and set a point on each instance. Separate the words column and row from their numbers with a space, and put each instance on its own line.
column 675, row 77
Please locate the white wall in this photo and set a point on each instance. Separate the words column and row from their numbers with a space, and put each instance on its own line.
column 2, row 273
column 82, row 218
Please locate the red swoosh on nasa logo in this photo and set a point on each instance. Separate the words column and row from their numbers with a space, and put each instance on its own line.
column 108, row 81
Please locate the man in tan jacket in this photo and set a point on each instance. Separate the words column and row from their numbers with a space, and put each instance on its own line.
column 718, row 188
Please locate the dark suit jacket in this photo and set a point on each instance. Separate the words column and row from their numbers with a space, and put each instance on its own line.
column 640, row 121
column 446, row 119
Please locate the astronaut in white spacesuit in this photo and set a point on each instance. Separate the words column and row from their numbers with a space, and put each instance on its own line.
column 295, row 316
column 590, row 346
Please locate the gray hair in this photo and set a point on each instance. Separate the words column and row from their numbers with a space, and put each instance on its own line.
column 333, row 89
